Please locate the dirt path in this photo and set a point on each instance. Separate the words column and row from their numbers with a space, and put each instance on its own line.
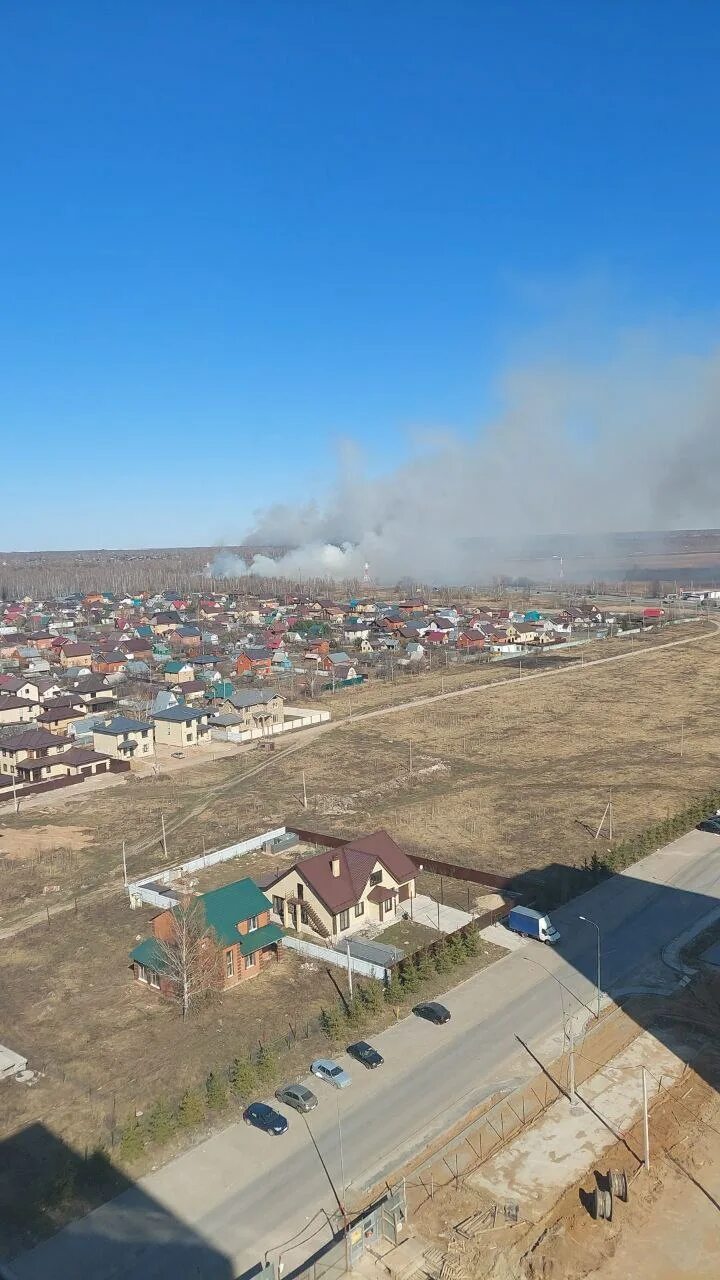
column 173, row 825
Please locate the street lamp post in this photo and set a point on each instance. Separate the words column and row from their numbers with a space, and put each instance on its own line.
column 596, row 926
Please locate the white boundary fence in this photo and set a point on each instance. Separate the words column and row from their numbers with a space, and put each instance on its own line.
column 295, row 718
column 140, row 891
column 339, row 958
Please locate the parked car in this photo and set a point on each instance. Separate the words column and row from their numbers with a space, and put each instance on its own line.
column 326, row 1069
column 710, row 824
column 364, row 1052
column 266, row 1118
column 297, row 1096
column 433, row 1012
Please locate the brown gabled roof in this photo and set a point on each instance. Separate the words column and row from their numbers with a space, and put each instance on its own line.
column 357, row 859
column 31, row 740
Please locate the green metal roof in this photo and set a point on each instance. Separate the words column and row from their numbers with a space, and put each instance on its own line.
column 259, row 938
column 149, row 953
column 239, row 901
column 173, row 667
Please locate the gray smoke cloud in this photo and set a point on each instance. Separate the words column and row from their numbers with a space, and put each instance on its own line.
column 631, row 443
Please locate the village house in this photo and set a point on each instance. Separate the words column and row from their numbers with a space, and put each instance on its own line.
column 77, row 653
column 58, row 717
column 341, row 890
column 81, row 760
column 257, row 708
column 237, row 917
column 17, row 710
column 30, row 753
column 191, row 690
column 254, row 660
column 124, row 739
column 177, row 672
column 181, row 726
column 110, row 662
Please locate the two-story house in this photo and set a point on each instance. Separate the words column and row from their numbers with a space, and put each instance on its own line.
column 237, row 918
column 124, row 739
column 341, row 890
column 181, row 726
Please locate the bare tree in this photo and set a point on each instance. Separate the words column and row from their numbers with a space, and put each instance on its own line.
column 191, row 956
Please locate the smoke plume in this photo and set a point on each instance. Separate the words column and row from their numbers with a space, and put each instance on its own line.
column 627, row 444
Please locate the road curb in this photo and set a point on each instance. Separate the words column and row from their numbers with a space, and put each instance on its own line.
column 671, row 952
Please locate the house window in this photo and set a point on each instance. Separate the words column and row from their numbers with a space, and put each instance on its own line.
column 344, row 919
column 278, row 905
column 142, row 973
column 188, row 737
column 376, row 877
column 154, row 979
column 388, row 906
column 229, row 964
column 252, row 924
column 299, row 891
column 251, row 961
column 359, row 908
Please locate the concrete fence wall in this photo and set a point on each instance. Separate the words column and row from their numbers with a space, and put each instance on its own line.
column 139, row 891
column 327, row 956
column 295, row 718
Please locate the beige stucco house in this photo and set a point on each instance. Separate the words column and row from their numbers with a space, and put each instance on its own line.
column 124, row 739
column 341, row 890
column 181, row 726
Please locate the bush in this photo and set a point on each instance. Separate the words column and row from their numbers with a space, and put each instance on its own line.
column 243, row 1078
column 266, row 1065
column 132, row 1140
column 393, row 991
column 356, row 1014
column 425, row 966
column 371, row 996
column 455, row 950
column 409, row 977
column 216, row 1092
column 161, row 1122
column 191, row 1111
column 470, row 942
column 332, row 1023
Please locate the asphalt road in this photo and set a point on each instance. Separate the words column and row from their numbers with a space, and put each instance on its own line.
column 216, row 1210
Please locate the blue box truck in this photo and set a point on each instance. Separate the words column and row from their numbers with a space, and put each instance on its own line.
column 533, row 924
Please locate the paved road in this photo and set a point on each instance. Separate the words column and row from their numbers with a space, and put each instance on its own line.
column 214, row 1211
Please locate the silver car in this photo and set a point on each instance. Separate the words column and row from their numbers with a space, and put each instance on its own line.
column 326, row 1069
column 297, row 1096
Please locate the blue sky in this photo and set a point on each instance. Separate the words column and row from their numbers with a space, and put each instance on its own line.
column 232, row 234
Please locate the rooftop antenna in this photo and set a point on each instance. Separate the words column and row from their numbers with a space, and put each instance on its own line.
column 366, row 575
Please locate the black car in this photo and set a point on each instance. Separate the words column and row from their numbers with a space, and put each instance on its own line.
column 265, row 1118
column 433, row 1012
column 710, row 824
column 364, row 1052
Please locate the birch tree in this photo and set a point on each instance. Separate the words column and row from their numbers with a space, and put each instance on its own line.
column 191, row 957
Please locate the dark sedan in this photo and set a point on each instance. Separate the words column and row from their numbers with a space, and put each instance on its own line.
column 266, row 1118
column 363, row 1052
column 710, row 824
column 432, row 1012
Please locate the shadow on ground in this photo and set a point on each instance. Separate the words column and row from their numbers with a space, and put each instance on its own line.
column 133, row 1234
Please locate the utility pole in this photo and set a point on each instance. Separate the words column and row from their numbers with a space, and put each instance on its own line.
column 15, row 799
column 349, row 968
column 682, row 738
column 411, row 757
column 164, row 841
column 646, row 1129
column 304, row 790
column 124, row 866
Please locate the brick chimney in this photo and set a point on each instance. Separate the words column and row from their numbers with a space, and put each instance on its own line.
column 335, row 866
